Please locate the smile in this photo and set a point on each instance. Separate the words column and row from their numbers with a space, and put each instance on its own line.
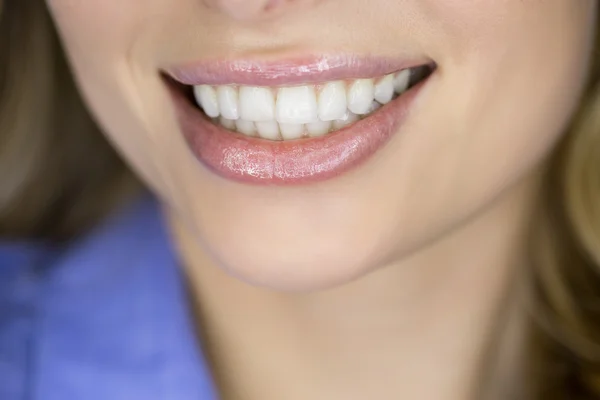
column 268, row 124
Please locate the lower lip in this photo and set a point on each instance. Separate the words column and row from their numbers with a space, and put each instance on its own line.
column 258, row 161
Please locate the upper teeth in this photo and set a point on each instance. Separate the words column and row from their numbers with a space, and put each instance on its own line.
column 297, row 111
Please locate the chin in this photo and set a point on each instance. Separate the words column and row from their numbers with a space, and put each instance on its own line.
column 313, row 271
column 289, row 264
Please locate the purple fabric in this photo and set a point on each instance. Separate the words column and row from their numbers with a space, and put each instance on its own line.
column 105, row 318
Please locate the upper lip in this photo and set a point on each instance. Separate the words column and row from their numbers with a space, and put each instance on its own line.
column 305, row 70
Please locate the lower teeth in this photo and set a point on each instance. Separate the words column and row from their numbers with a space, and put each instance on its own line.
column 273, row 130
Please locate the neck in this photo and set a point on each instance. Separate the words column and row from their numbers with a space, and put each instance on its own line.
column 434, row 325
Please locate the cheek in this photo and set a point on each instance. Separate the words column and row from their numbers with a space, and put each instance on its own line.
column 504, row 93
column 109, row 46
column 97, row 32
column 519, row 83
column 94, row 26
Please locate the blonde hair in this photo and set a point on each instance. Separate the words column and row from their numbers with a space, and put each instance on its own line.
column 59, row 177
column 58, row 173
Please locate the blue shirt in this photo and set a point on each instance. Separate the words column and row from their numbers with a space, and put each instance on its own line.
column 105, row 318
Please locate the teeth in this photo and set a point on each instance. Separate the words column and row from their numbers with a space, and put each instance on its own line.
column 361, row 95
column 401, row 81
column 268, row 130
column 384, row 90
column 246, row 127
column 296, row 105
column 227, row 123
column 291, row 131
column 207, row 98
column 346, row 120
column 374, row 107
column 227, row 97
column 332, row 101
column 300, row 111
column 318, row 128
column 257, row 104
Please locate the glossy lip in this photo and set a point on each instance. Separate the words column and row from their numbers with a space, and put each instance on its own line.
column 289, row 72
column 253, row 160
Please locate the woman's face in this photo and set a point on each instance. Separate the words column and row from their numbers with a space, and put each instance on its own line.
column 298, row 214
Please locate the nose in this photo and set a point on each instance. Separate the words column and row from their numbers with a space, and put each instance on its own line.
column 255, row 9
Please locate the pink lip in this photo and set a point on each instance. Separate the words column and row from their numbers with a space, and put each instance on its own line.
column 258, row 161
column 288, row 72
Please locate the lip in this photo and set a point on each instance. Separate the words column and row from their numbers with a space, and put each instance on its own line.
column 253, row 160
column 289, row 72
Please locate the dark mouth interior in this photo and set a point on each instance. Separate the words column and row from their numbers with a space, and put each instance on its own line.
column 417, row 75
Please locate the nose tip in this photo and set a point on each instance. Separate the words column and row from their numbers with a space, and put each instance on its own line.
column 251, row 9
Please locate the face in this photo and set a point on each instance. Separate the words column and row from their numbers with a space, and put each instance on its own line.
column 507, row 77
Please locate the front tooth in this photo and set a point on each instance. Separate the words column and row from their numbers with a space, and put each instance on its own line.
column 296, row 105
column 227, row 123
column 291, row 131
column 228, row 102
column 401, row 81
column 207, row 99
column 268, row 130
column 318, row 128
column 374, row 107
column 332, row 101
column 346, row 120
column 246, row 127
column 384, row 90
column 361, row 95
column 256, row 103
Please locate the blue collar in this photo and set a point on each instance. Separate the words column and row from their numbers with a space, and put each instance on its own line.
column 109, row 320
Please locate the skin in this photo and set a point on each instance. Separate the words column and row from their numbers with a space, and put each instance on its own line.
column 389, row 280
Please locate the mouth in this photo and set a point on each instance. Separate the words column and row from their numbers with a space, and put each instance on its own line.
column 293, row 122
